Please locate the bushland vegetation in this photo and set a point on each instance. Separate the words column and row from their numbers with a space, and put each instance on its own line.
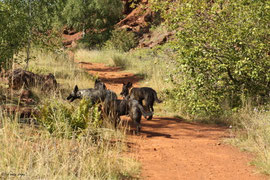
column 216, row 66
column 63, row 140
column 67, row 140
column 222, row 65
column 215, row 69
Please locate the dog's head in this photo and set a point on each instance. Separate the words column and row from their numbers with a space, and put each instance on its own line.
column 74, row 94
column 125, row 89
column 100, row 85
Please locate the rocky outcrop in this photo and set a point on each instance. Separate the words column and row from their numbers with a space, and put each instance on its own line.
column 139, row 20
column 152, row 40
column 20, row 78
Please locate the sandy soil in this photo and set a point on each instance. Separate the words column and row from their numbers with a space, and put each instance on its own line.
column 169, row 148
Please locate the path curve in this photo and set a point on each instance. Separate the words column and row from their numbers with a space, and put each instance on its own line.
column 169, row 148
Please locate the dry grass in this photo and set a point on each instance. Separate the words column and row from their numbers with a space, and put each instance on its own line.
column 252, row 129
column 67, row 73
column 31, row 152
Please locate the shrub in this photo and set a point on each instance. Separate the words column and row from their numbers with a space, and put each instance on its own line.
column 223, row 53
column 94, row 40
column 120, row 61
column 65, row 120
column 121, row 40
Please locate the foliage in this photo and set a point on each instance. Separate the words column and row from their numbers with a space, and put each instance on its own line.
column 94, row 39
column 223, row 52
column 27, row 23
column 92, row 14
column 121, row 40
column 12, row 34
column 65, row 120
column 23, row 23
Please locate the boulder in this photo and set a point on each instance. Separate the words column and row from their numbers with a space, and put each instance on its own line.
column 20, row 78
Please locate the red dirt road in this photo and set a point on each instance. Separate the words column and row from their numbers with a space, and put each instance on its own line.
column 169, row 148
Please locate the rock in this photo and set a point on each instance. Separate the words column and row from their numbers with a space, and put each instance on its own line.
column 20, row 78
column 138, row 20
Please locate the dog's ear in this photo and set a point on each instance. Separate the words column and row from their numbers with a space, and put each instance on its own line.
column 76, row 89
column 129, row 84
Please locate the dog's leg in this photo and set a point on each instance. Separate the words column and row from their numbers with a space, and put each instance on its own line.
column 138, row 126
column 150, row 108
column 150, row 117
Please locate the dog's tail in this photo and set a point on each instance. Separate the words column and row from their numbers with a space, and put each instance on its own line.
column 144, row 113
column 156, row 98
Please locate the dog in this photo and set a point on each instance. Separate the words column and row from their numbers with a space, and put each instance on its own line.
column 124, row 107
column 147, row 94
column 103, row 96
column 100, row 85
column 95, row 95
column 132, row 108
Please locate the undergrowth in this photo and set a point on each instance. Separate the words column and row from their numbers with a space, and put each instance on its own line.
column 68, row 140
column 29, row 152
column 66, row 120
column 252, row 129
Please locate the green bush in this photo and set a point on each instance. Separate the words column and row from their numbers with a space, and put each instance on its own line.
column 94, row 40
column 121, row 40
column 223, row 53
column 64, row 120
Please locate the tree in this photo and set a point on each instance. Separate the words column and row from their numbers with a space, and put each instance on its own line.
column 92, row 14
column 223, row 52
column 96, row 16
column 13, row 32
column 25, row 22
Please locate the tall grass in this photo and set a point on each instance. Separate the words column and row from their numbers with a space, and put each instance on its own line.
column 32, row 153
column 95, row 56
column 142, row 62
column 252, row 129
column 55, row 149
column 66, row 72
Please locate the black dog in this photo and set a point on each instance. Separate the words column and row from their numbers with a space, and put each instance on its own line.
column 124, row 107
column 147, row 94
column 133, row 109
column 106, row 97
column 95, row 95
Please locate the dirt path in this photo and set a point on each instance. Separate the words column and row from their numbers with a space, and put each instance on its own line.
column 169, row 148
